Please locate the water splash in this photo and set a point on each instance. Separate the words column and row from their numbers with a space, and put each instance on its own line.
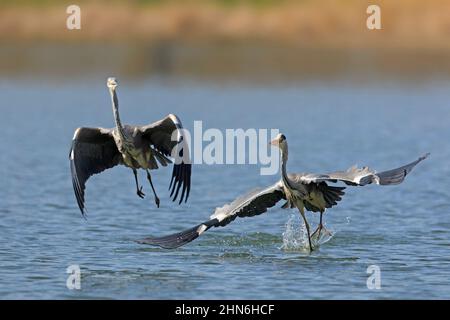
column 295, row 236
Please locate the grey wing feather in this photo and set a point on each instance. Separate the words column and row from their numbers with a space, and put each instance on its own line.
column 396, row 176
column 93, row 151
column 361, row 176
column 254, row 203
column 167, row 137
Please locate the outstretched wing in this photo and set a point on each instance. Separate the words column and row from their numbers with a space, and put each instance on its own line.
column 93, row 151
column 254, row 203
column 362, row 176
column 167, row 137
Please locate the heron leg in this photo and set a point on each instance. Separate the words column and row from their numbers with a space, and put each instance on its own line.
column 153, row 188
column 138, row 189
column 302, row 212
column 320, row 227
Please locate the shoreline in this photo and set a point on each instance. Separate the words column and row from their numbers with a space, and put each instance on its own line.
column 253, row 62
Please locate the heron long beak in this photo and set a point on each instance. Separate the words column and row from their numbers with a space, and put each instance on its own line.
column 274, row 142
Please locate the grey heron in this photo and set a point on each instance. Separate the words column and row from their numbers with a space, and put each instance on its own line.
column 137, row 147
column 300, row 190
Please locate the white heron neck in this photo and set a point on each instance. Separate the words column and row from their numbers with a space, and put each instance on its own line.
column 115, row 106
column 284, row 159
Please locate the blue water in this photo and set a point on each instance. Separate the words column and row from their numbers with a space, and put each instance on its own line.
column 405, row 230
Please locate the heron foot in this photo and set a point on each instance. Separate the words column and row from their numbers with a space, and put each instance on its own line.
column 321, row 229
column 316, row 234
column 157, row 201
column 140, row 193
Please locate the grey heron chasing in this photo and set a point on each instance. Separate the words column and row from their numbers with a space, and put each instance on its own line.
column 137, row 147
column 300, row 190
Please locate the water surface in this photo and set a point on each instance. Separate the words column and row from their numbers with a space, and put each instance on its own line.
column 402, row 229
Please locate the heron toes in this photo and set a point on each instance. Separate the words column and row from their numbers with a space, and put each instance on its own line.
column 157, row 202
column 320, row 232
column 140, row 193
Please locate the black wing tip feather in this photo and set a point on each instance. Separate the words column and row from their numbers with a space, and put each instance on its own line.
column 186, row 183
column 173, row 241
column 181, row 177
column 426, row 155
column 78, row 190
column 181, row 174
column 179, row 239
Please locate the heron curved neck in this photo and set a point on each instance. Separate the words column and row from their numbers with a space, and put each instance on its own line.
column 115, row 106
column 284, row 159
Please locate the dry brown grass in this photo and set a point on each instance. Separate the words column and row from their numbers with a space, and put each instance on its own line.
column 331, row 23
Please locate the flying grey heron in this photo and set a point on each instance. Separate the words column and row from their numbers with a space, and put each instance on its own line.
column 137, row 147
column 302, row 191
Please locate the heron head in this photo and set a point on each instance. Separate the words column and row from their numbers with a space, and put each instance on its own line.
column 279, row 141
column 111, row 83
